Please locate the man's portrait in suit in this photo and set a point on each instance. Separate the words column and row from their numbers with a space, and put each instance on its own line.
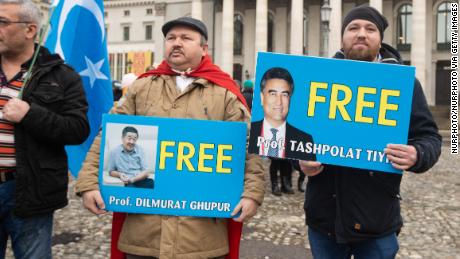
column 271, row 136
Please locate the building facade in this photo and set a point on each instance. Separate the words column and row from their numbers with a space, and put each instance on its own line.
column 44, row 6
column 130, row 27
column 239, row 28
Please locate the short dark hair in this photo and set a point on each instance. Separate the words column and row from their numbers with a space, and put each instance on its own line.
column 277, row 73
column 128, row 129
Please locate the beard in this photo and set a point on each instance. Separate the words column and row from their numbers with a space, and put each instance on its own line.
column 361, row 54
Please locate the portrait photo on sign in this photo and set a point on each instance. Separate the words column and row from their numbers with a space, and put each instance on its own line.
column 271, row 135
column 130, row 155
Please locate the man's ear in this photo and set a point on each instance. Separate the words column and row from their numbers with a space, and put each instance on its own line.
column 261, row 99
column 31, row 31
column 205, row 50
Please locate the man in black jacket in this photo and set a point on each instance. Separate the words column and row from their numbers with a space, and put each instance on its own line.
column 356, row 212
column 37, row 120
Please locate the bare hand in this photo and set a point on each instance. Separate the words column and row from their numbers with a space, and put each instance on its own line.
column 401, row 156
column 15, row 110
column 311, row 168
column 92, row 200
column 124, row 178
column 248, row 208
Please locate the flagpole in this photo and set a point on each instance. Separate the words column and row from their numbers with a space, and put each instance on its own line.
column 34, row 59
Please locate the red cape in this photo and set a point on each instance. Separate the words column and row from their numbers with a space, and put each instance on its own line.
column 212, row 73
column 206, row 70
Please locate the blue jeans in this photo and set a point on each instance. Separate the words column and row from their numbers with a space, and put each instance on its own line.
column 325, row 247
column 30, row 237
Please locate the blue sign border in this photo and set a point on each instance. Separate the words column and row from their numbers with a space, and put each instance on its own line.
column 185, row 192
column 339, row 134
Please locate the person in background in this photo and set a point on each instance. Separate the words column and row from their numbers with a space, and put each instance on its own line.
column 248, row 92
column 117, row 90
column 126, row 81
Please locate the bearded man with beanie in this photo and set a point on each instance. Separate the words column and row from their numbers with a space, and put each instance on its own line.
column 352, row 211
column 185, row 85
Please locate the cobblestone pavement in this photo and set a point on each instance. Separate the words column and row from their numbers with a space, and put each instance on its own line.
column 430, row 206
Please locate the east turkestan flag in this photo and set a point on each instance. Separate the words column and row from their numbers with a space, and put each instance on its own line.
column 78, row 34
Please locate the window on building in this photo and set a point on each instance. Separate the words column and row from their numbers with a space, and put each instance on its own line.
column 443, row 26
column 126, row 33
column 149, row 11
column 148, row 31
column 238, row 34
column 126, row 13
column 404, row 27
column 270, row 32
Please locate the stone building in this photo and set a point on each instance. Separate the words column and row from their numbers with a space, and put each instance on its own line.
column 239, row 28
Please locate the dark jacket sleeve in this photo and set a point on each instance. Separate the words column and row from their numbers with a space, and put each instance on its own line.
column 423, row 132
column 296, row 165
column 67, row 125
column 253, row 135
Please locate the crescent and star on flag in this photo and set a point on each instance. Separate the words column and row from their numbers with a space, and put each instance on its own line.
column 93, row 70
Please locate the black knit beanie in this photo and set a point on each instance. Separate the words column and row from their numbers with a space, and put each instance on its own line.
column 367, row 13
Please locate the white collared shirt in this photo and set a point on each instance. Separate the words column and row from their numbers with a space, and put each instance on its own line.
column 268, row 135
column 183, row 81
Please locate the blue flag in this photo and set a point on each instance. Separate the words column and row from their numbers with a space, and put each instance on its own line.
column 78, row 34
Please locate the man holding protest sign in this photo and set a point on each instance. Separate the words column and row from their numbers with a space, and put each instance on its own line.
column 185, row 85
column 351, row 211
column 42, row 108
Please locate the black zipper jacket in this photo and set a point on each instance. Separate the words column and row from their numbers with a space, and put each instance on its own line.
column 57, row 117
column 354, row 205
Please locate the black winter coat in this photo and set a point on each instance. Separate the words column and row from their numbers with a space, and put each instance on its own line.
column 354, row 205
column 57, row 117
